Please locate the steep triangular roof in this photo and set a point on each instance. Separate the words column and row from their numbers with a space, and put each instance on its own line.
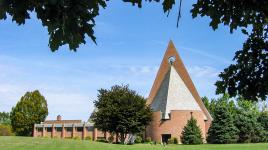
column 163, row 86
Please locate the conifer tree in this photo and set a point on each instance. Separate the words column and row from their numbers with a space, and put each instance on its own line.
column 191, row 133
column 223, row 129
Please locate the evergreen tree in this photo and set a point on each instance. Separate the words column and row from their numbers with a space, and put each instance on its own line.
column 250, row 130
column 222, row 130
column 191, row 133
column 31, row 109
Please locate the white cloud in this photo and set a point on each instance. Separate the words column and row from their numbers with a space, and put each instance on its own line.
column 203, row 71
column 203, row 53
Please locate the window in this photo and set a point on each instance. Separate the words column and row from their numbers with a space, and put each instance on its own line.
column 49, row 129
column 39, row 129
column 79, row 129
column 59, row 129
column 69, row 129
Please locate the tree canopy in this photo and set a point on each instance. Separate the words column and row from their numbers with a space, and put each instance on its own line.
column 238, row 120
column 248, row 76
column 223, row 129
column 31, row 109
column 121, row 111
column 4, row 118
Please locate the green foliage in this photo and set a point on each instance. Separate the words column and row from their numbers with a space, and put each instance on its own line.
column 222, row 129
column 248, row 77
column 250, row 130
column 121, row 110
column 176, row 141
column 148, row 140
column 263, row 119
column 5, row 130
column 89, row 138
column 211, row 105
column 75, row 138
column 138, row 139
column 5, row 118
column 111, row 139
column 191, row 133
column 31, row 109
column 173, row 140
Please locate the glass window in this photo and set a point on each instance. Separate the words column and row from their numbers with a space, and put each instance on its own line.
column 49, row 129
column 79, row 129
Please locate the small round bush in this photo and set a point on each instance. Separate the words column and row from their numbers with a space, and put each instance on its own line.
column 5, row 130
column 88, row 138
column 138, row 139
column 176, row 141
column 148, row 140
column 111, row 139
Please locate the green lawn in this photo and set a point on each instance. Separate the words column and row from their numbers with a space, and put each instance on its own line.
column 24, row 143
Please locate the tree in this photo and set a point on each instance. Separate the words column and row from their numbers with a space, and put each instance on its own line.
column 4, row 118
column 121, row 111
column 248, row 77
column 211, row 105
column 31, row 109
column 263, row 120
column 222, row 129
column 191, row 133
column 250, row 130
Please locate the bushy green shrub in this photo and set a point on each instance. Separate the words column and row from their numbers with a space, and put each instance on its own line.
column 173, row 140
column 111, row 139
column 176, row 141
column 138, row 139
column 170, row 141
column 102, row 139
column 148, row 140
column 76, row 138
column 88, row 138
column 5, row 130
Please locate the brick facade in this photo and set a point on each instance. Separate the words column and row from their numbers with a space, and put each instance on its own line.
column 173, row 122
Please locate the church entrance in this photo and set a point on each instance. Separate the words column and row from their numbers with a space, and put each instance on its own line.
column 165, row 138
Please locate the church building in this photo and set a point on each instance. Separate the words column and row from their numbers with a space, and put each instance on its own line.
column 173, row 99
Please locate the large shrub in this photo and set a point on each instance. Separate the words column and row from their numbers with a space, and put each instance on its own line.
column 5, row 130
column 191, row 133
column 31, row 109
column 138, row 139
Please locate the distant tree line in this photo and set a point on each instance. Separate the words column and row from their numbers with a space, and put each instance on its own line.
column 236, row 121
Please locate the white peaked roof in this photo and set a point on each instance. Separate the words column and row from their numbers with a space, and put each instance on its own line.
column 173, row 88
column 173, row 95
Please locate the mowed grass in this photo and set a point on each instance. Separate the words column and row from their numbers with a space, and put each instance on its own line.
column 28, row 143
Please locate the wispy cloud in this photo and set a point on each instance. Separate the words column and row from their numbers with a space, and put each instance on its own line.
column 203, row 71
column 203, row 53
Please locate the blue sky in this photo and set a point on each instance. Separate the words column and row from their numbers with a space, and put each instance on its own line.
column 131, row 44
